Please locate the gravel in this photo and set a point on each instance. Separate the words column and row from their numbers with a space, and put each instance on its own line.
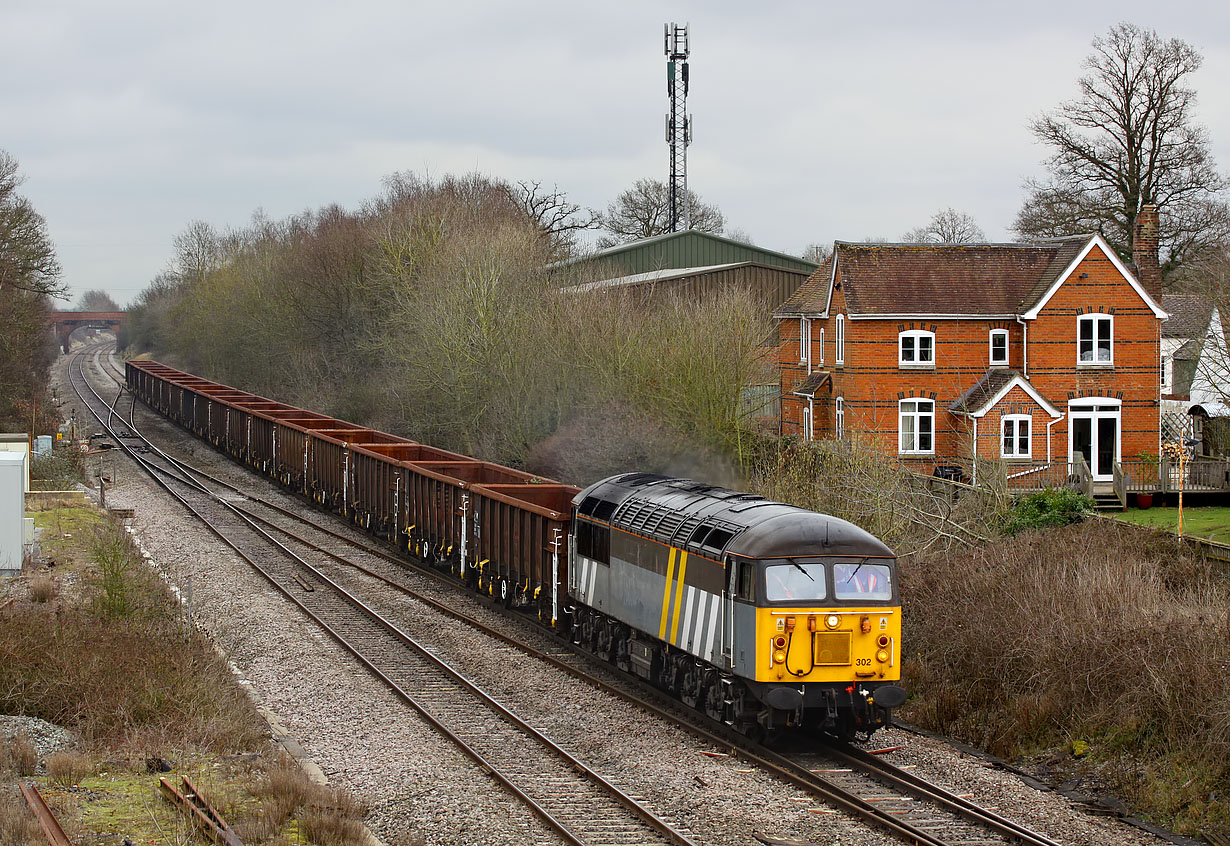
column 421, row 790
column 47, row 738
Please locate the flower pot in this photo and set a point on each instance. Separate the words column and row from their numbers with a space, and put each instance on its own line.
column 1144, row 500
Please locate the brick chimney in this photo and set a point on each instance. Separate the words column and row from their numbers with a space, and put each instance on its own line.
column 1144, row 250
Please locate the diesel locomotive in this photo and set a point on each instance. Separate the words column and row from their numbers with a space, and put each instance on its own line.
column 762, row 615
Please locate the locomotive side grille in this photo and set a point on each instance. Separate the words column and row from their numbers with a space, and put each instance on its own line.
column 832, row 648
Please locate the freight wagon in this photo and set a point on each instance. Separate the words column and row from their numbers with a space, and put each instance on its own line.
column 501, row 530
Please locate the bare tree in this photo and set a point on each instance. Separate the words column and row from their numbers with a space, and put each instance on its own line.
column 740, row 235
column 947, row 226
column 643, row 211
column 97, row 300
column 197, row 251
column 818, row 253
column 27, row 258
column 559, row 220
column 1127, row 140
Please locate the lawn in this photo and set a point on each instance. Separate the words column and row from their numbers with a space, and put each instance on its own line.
column 1211, row 522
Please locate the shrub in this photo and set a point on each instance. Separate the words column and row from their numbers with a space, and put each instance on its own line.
column 117, row 680
column 43, row 588
column 19, row 756
column 1052, row 507
column 333, row 818
column 68, row 768
column 59, row 471
column 1094, row 631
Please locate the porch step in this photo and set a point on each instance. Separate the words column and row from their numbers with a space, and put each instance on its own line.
column 1106, row 502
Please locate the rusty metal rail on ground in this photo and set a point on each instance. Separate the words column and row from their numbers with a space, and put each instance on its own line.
column 46, row 819
column 203, row 815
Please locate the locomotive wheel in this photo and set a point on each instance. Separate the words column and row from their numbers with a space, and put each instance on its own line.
column 603, row 643
column 690, row 687
column 715, row 696
column 623, row 657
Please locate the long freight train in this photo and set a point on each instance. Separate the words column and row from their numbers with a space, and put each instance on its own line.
column 760, row 614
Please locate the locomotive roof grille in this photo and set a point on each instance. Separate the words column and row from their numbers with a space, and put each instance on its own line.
column 665, row 522
column 714, row 521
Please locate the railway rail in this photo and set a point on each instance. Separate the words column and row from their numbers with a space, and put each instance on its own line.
column 914, row 810
column 570, row 796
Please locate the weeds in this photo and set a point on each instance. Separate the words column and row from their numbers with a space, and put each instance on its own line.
column 327, row 816
column 18, row 756
column 18, row 827
column 117, row 558
column 68, row 768
column 1093, row 631
column 43, row 588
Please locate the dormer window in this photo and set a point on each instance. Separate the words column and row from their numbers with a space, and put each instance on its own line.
column 1094, row 340
column 999, row 347
column 916, row 348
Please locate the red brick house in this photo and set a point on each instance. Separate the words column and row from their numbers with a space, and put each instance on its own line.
column 1021, row 352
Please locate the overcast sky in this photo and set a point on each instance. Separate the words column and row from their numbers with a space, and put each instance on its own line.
column 814, row 121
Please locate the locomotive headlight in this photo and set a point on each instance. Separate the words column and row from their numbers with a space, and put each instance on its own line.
column 882, row 656
column 779, row 656
column 832, row 620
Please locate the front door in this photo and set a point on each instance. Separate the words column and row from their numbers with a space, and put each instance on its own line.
column 1095, row 435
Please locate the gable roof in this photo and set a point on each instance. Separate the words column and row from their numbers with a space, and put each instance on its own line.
column 812, row 296
column 983, row 280
column 992, row 388
column 686, row 248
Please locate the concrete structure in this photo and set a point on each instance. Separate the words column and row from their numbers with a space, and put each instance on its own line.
column 12, row 512
column 18, row 443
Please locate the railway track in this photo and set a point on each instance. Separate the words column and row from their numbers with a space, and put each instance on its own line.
column 914, row 810
column 569, row 795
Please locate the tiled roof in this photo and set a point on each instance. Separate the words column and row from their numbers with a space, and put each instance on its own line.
column 809, row 385
column 811, row 296
column 999, row 279
column 984, row 391
column 1189, row 315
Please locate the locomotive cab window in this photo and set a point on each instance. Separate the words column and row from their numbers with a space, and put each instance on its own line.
column 594, row 541
column 862, row 581
column 795, row 581
column 747, row 581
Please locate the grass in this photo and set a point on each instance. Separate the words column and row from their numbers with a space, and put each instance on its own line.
column 1208, row 522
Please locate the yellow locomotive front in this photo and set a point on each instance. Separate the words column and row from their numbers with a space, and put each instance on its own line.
column 827, row 648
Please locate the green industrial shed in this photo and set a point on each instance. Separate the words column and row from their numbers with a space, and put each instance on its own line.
column 693, row 263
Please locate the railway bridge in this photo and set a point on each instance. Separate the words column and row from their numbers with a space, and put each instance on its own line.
column 65, row 322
